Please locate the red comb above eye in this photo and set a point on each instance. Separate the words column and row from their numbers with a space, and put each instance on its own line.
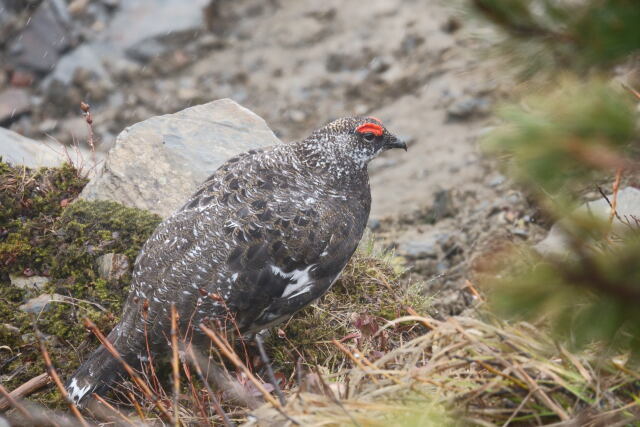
column 370, row 128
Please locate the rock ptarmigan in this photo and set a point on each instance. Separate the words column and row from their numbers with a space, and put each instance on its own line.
column 268, row 233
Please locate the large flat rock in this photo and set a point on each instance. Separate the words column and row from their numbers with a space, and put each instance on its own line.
column 19, row 150
column 158, row 163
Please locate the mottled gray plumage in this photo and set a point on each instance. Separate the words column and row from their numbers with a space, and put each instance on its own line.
column 263, row 237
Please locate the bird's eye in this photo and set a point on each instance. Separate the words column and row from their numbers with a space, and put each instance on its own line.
column 369, row 137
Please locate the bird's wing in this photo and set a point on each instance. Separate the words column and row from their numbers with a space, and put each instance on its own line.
column 301, row 255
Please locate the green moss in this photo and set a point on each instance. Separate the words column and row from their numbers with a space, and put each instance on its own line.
column 43, row 232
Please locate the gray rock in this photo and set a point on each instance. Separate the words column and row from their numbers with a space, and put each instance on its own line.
column 19, row 150
column 83, row 58
column 13, row 103
column 38, row 46
column 147, row 50
column 469, row 107
column 32, row 283
column 136, row 22
column 16, row 149
column 628, row 207
column 496, row 180
column 443, row 207
column 74, row 130
column 112, row 266
column 40, row 303
column 425, row 246
column 111, row 3
column 373, row 224
column 158, row 163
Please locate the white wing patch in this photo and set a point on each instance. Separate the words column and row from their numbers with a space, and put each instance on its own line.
column 76, row 393
column 301, row 281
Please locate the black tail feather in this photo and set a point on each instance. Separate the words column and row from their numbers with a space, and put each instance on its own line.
column 96, row 375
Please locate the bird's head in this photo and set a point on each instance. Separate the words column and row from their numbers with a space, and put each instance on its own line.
column 357, row 138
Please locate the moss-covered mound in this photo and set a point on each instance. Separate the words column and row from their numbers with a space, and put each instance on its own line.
column 44, row 232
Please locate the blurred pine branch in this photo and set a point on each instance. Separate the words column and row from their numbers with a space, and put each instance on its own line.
column 567, row 34
column 578, row 131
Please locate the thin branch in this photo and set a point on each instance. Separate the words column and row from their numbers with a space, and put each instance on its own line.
column 56, row 379
column 270, row 374
column 216, row 405
column 175, row 365
column 136, row 405
column 606, row 198
column 31, row 386
column 112, row 409
column 233, row 358
column 614, row 201
column 14, row 403
column 632, row 90
column 134, row 376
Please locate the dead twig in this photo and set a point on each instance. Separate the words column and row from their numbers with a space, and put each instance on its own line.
column 31, row 386
column 175, row 365
column 112, row 409
column 134, row 376
column 632, row 90
column 14, row 403
column 216, row 405
column 614, row 198
column 355, row 359
column 86, row 109
column 56, row 379
column 233, row 358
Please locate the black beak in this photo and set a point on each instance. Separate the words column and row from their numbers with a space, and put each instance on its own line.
column 394, row 142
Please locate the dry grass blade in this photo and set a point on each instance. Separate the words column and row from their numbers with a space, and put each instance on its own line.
column 56, row 379
column 136, row 405
column 175, row 365
column 134, row 376
column 355, row 359
column 502, row 374
column 112, row 409
column 421, row 319
column 233, row 358
column 614, row 197
column 533, row 386
column 216, row 404
column 228, row 352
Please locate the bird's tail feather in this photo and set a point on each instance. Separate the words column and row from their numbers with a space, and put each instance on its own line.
column 95, row 375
